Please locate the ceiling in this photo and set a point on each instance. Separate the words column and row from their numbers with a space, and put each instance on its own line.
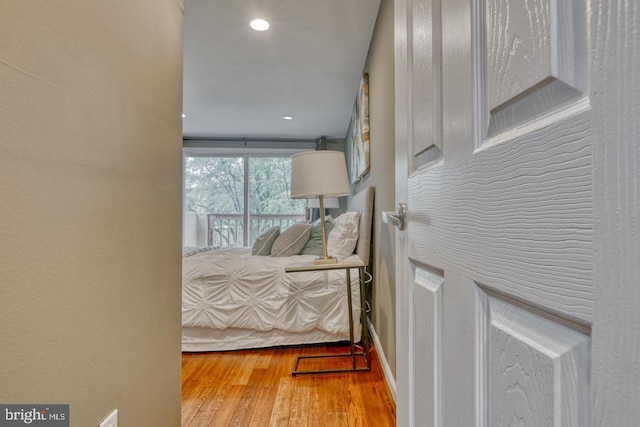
column 239, row 83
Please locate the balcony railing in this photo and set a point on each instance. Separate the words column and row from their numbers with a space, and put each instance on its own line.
column 228, row 231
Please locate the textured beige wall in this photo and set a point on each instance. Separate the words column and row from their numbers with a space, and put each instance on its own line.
column 382, row 175
column 90, row 195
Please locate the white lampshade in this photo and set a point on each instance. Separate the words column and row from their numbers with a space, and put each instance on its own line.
column 329, row 203
column 319, row 173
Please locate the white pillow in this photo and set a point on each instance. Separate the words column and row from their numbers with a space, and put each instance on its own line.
column 343, row 238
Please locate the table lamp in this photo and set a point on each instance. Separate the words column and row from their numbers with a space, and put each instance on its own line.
column 316, row 175
column 329, row 203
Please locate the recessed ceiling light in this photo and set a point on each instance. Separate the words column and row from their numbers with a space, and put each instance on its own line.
column 287, row 118
column 259, row 25
column 184, row 115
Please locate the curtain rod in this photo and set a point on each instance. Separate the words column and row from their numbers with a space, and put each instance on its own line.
column 258, row 143
column 198, row 141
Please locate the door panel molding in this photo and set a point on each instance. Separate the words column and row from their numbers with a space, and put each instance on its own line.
column 537, row 369
column 426, row 96
column 428, row 304
column 531, row 58
column 517, row 215
column 546, row 312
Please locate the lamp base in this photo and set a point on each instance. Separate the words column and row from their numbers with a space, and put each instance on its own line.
column 325, row 260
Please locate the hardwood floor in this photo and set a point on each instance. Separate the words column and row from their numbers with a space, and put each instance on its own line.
column 255, row 388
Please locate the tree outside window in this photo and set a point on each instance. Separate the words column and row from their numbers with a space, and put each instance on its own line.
column 214, row 199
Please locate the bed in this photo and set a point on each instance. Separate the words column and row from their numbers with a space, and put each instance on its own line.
column 234, row 300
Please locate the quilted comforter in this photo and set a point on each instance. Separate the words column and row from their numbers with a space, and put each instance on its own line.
column 230, row 288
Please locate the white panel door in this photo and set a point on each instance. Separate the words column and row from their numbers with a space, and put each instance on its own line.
column 517, row 154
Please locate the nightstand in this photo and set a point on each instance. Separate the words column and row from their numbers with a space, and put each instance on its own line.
column 353, row 354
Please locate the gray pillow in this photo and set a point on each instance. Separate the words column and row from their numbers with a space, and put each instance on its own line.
column 292, row 240
column 264, row 242
column 314, row 244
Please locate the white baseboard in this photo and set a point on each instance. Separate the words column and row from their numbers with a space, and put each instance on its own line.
column 391, row 381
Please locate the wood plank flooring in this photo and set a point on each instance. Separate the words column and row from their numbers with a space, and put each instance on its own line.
column 255, row 388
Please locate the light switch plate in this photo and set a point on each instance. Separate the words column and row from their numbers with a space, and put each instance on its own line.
column 111, row 420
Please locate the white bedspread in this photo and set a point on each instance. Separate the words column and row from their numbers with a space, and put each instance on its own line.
column 230, row 288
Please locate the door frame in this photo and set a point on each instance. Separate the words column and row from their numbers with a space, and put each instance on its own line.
column 404, row 399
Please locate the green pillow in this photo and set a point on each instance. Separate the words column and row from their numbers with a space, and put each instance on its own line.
column 264, row 242
column 314, row 244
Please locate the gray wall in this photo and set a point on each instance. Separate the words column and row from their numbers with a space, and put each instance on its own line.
column 382, row 175
column 90, row 196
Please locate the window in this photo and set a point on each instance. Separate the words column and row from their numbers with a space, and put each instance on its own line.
column 224, row 194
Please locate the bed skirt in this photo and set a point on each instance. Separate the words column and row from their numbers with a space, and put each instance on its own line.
column 204, row 339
